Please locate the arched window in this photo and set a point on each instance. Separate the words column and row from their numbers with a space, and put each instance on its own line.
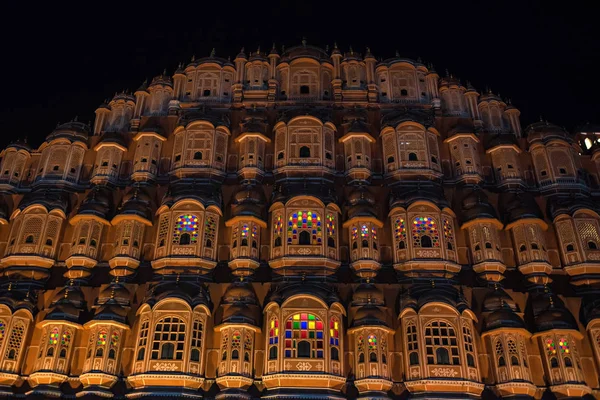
column 442, row 356
column 335, row 354
column 11, row 354
column 390, row 160
column 499, row 349
column 592, row 246
column 305, row 221
column 501, row 361
column 469, row 348
column 413, row 344
column 361, row 358
column 365, row 243
column 522, row 248
column 534, row 246
column 198, row 155
column 63, row 353
column 196, row 340
column 568, row 362
column 304, row 152
column 186, row 224
column 412, row 157
column 372, row 357
column 303, row 349
column 168, row 331
column 488, row 245
column 167, row 351
column 29, row 239
column 184, row 239
column 278, row 241
column 513, row 352
column 570, row 247
column 304, row 238
column 99, row 352
column 235, row 354
column 111, row 354
column 439, row 335
column 553, row 362
column 425, row 227
column 273, row 353
column 330, row 242
column 426, row 241
column 304, row 327
column 50, row 352
column 142, row 340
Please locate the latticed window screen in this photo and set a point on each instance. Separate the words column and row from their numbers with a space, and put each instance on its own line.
column 196, row 341
column 425, row 226
column 441, row 344
column 15, row 341
column 169, row 338
column 304, row 327
column 142, row 340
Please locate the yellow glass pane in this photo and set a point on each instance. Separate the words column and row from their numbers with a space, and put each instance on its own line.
column 311, row 325
column 331, row 332
column 335, row 325
column 297, row 317
column 276, row 331
column 272, row 323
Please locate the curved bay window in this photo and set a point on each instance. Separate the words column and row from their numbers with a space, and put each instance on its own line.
column 304, row 336
column 562, row 358
column 55, row 349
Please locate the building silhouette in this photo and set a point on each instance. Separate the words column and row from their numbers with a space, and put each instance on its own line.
column 297, row 224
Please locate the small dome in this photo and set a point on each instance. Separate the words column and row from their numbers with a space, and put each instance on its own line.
column 504, row 318
column 19, row 144
column 315, row 288
column 240, row 305
column 137, row 202
column 307, row 51
column 550, row 313
column 500, row 140
column 367, row 293
column 113, row 137
column 111, row 312
column 207, row 194
column 98, row 202
column 116, row 292
column 490, row 96
column 475, row 205
column 518, row 205
column 163, row 80
column 569, row 205
column 74, row 131
column 370, row 315
column 50, row 199
column 498, row 299
column 361, row 203
column 407, row 196
column 544, row 131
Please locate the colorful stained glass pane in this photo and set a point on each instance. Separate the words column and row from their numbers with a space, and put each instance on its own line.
column 400, row 229
column 550, row 347
column 425, row 226
column 354, row 233
column 278, row 226
column 563, row 345
column 303, row 326
column 448, row 231
column 114, row 339
column 244, row 231
column 186, row 223
column 53, row 339
column 372, row 342
column 305, row 220
column 210, row 228
column 330, row 225
column 2, row 330
column 374, row 233
column 101, row 338
column 66, row 338
column 364, row 231
column 254, row 231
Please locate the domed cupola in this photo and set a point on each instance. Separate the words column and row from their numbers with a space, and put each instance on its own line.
column 252, row 142
column 514, row 206
column 556, row 159
column 363, row 225
column 480, row 220
column 558, row 336
column 59, row 329
column 370, row 334
column 492, row 110
column 109, row 152
column 121, row 111
column 131, row 219
column 501, row 311
column 14, row 159
column 247, row 222
column 161, row 80
column 73, row 131
column 452, row 94
column 89, row 222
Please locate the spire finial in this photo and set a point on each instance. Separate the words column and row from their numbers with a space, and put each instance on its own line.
column 304, row 41
column 351, row 51
column 212, row 52
column 397, row 53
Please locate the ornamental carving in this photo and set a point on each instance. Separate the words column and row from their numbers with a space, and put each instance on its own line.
column 444, row 372
column 303, row 366
column 165, row 367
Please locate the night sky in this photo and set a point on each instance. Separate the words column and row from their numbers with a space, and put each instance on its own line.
column 61, row 62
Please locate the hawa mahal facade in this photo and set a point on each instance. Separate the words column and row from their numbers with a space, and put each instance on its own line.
column 301, row 224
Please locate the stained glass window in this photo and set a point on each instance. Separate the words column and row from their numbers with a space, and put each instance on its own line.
column 334, row 332
column 372, row 342
column 360, row 344
column 448, row 231
column 53, row 337
column 66, row 338
column 114, row 339
column 274, row 332
column 101, row 338
column 374, row 232
column 400, row 230
column 425, row 226
column 304, row 220
column 210, row 230
column 550, row 347
column 187, row 223
column 236, row 339
column 330, row 225
column 304, row 326
column 2, row 330
column 236, row 230
column 244, row 231
column 563, row 345
column 354, row 233
column 364, row 232
column 254, row 231
column 278, row 226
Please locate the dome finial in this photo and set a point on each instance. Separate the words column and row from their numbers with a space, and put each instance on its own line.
column 212, row 52
column 397, row 53
column 304, row 41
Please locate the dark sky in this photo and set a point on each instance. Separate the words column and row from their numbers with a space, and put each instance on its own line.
column 60, row 62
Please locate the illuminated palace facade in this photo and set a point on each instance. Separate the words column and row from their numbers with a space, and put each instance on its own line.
column 297, row 224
